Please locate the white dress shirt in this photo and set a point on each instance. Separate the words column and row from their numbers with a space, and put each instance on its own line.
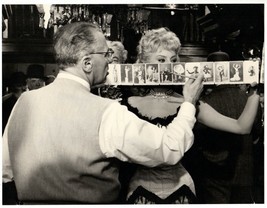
column 124, row 136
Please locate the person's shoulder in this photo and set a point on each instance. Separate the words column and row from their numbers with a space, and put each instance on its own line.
column 6, row 97
column 8, row 102
column 100, row 99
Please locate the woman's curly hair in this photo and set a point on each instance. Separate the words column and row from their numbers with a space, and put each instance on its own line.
column 120, row 48
column 152, row 40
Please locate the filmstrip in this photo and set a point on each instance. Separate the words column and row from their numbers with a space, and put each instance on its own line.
column 225, row 72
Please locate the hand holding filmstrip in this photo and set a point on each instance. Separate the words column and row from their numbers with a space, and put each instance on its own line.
column 253, row 89
column 193, row 88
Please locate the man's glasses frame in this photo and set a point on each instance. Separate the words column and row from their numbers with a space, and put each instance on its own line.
column 107, row 54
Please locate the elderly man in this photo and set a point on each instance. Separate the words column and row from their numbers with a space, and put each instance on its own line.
column 71, row 155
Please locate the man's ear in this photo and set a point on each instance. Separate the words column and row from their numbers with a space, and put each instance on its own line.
column 87, row 64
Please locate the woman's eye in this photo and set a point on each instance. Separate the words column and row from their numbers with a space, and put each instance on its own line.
column 174, row 60
column 115, row 61
column 161, row 60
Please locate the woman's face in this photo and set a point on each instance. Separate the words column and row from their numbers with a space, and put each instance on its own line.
column 163, row 56
column 116, row 58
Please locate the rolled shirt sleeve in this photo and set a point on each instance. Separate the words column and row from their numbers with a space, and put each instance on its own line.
column 124, row 136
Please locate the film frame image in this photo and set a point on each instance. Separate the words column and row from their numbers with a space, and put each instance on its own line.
column 165, row 71
column 236, row 72
column 126, row 74
column 207, row 68
column 261, row 71
column 224, row 72
column 221, row 72
column 251, row 71
column 192, row 68
column 139, row 74
column 178, row 73
column 114, row 74
column 152, row 74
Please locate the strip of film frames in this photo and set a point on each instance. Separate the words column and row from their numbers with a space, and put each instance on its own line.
column 226, row 72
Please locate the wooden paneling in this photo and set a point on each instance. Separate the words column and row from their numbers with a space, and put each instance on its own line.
column 26, row 50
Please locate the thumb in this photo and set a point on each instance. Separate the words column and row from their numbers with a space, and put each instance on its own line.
column 200, row 78
column 253, row 84
column 190, row 80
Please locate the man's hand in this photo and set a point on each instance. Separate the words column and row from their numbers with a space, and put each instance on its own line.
column 193, row 88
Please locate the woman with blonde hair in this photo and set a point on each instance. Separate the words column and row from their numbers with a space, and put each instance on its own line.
column 119, row 57
column 120, row 54
column 173, row 184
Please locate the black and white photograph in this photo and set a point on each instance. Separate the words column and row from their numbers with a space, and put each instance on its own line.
column 236, row 71
column 126, row 74
column 114, row 74
column 251, row 71
column 139, row 73
column 152, row 74
column 207, row 68
column 133, row 102
column 222, row 72
column 192, row 69
column 165, row 71
column 178, row 72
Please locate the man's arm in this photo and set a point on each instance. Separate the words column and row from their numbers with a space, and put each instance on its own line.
column 124, row 136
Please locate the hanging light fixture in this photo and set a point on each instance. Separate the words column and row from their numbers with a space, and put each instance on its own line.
column 106, row 20
column 171, row 6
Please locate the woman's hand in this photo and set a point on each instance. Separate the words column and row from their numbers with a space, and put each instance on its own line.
column 253, row 89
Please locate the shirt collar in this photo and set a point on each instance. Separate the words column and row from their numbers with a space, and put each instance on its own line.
column 67, row 75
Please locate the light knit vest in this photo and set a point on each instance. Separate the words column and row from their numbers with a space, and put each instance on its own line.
column 54, row 146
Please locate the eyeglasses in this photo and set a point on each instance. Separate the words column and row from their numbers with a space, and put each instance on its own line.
column 107, row 54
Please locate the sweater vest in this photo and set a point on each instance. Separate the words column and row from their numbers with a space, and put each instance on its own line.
column 53, row 140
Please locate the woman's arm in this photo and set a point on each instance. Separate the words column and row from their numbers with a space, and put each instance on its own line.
column 213, row 119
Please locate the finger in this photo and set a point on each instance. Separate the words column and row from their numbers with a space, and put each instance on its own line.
column 253, row 84
column 189, row 81
column 200, row 78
